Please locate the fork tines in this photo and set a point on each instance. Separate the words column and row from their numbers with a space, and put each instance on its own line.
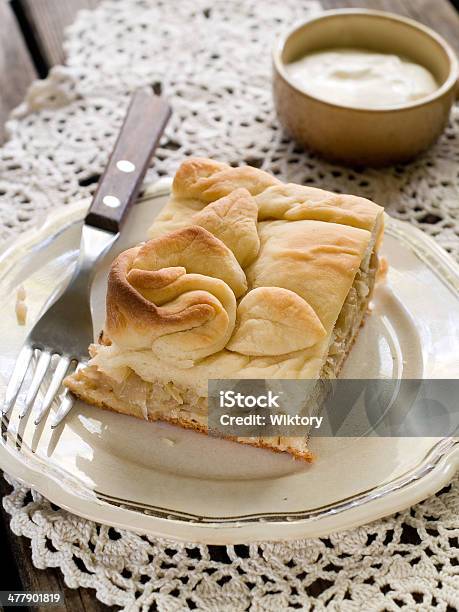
column 42, row 367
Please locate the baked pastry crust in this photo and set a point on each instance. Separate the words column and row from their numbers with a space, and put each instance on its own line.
column 243, row 277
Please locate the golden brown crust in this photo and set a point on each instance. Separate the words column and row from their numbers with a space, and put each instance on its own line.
column 300, row 202
column 317, row 261
column 245, row 277
column 274, row 321
column 208, row 180
column 233, row 219
column 301, row 239
column 178, row 289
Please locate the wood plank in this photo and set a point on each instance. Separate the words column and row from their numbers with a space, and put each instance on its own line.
column 439, row 15
column 16, row 68
column 18, row 571
column 48, row 19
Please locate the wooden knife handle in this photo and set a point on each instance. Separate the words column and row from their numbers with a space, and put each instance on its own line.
column 119, row 185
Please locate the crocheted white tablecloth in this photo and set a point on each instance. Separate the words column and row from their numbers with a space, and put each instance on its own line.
column 212, row 59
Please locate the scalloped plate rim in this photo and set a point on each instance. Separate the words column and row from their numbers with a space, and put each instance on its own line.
column 434, row 472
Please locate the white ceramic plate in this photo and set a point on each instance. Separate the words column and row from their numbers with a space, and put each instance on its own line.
column 158, row 479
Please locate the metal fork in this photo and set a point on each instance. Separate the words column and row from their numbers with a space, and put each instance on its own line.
column 65, row 329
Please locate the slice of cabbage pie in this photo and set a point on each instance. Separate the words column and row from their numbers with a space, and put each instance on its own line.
column 244, row 277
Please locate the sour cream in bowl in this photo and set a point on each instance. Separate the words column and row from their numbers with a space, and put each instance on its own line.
column 361, row 78
column 364, row 87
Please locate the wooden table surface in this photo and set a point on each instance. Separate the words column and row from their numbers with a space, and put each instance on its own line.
column 31, row 35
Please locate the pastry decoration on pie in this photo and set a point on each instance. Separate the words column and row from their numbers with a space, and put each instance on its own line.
column 243, row 277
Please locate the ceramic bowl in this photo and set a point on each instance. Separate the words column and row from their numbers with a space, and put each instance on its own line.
column 365, row 136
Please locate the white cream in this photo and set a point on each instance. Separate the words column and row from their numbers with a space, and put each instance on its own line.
column 360, row 78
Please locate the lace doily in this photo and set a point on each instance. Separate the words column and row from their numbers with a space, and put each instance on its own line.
column 212, row 59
